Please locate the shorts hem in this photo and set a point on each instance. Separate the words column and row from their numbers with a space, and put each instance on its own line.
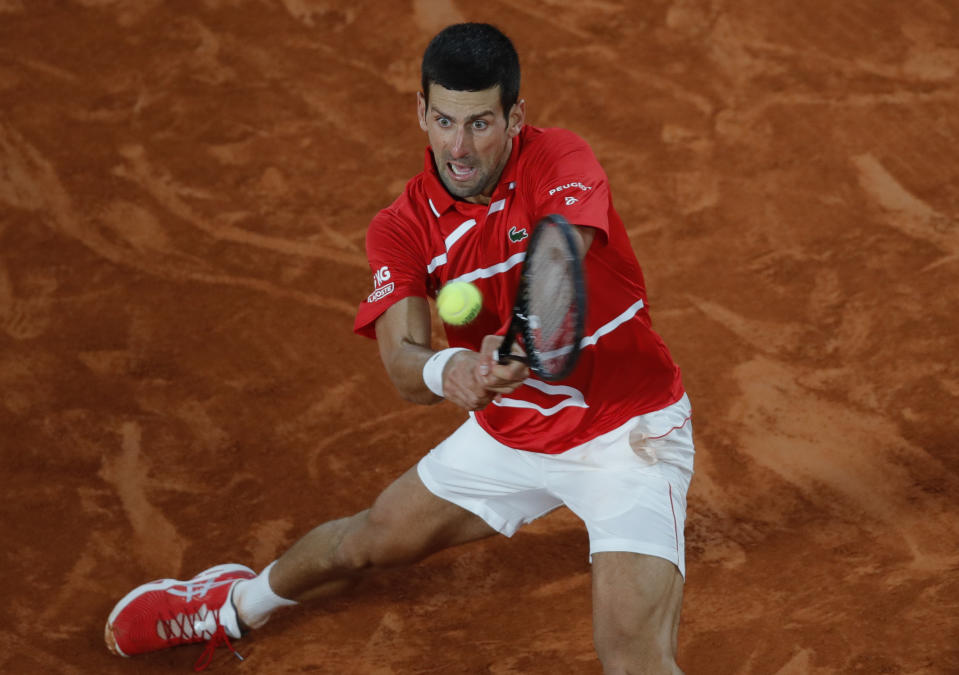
column 642, row 548
column 477, row 508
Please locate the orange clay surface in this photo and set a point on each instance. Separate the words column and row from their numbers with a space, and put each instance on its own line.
column 184, row 191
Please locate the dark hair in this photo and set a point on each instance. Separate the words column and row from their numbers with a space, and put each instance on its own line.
column 472, row 57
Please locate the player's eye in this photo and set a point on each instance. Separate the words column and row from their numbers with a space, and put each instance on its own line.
column 443, row 122
column 480, row 125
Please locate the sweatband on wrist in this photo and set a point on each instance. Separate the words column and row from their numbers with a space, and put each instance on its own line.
column 434, row 366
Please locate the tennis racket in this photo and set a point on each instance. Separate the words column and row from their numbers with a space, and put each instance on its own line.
column 550, row 309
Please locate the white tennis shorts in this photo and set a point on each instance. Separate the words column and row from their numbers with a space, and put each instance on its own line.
column 628, row 485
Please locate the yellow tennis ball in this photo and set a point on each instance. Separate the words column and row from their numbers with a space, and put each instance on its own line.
column 459, row 302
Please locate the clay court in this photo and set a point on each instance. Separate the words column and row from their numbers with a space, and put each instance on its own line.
column 184, row 193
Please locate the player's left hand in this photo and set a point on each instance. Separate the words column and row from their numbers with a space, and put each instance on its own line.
column 501, row 378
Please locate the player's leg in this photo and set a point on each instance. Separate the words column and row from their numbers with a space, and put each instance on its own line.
column 636, row 605
column 467, row 488
column 629, row 487
column 406, row 523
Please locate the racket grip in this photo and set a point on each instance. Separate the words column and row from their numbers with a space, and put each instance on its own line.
column 506, row 358
column 504, row 349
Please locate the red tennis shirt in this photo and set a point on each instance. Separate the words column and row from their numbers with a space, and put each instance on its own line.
column 427, row 238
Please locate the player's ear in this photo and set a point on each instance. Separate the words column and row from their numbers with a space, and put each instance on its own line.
column 517, row 117
column 421, row 109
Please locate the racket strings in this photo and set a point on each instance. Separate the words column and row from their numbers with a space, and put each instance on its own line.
column 551, row 301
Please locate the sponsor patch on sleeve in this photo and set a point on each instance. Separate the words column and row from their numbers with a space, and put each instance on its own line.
column 570, row 186
column 381, row 293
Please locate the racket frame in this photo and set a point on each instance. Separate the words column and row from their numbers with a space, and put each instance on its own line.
column 520, row 324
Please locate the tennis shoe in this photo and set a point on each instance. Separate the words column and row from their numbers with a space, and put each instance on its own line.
column 169, row 613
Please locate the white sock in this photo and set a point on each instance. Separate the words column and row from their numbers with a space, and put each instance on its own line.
column 255, row 601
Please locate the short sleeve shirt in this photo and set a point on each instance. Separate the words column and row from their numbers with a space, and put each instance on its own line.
column 427, row 238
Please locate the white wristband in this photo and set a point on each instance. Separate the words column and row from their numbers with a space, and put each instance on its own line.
column 434, row 366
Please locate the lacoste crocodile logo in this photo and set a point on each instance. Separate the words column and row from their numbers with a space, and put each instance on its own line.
column 517, row 235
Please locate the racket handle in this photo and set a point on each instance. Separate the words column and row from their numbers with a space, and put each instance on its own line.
column 506, row 358
column 505, row 347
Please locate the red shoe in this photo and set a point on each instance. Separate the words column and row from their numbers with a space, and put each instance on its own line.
column 169, row 613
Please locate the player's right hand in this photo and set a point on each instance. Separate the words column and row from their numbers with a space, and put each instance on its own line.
column 473, row 380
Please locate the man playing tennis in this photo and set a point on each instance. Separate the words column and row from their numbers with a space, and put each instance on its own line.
column 612, row 441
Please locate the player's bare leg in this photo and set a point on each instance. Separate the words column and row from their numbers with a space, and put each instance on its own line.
column 406, row 524
column 636, row 606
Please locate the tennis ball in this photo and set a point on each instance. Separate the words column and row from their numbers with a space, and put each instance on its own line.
column 459, row 302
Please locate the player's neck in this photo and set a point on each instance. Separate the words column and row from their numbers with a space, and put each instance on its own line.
column 482, row 200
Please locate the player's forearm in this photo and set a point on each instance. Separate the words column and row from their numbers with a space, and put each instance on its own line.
column 403, row 336
column 404, row 364
column 422, row 375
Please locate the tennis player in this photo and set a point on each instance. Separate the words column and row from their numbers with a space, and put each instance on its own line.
column 612, row 442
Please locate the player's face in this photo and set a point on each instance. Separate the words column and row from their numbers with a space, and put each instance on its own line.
column 471, row 138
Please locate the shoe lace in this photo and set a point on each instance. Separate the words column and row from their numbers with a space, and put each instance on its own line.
column 218, row 638
column 203, row 624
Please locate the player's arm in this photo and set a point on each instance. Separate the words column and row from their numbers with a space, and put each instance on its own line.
column 586, row 235
column 403, row 336
column 583, row 199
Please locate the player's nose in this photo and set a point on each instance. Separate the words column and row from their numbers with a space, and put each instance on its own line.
column 462, row 144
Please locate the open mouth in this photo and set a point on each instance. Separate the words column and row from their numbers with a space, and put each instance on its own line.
column 459, row 172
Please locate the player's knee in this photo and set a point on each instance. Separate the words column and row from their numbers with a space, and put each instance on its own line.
column 393, row 543
column 625, row 654
column 375, row 540
column 349, row 550
column 640, row 664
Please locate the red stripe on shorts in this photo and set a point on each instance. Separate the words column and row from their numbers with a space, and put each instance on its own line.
column 688, row 417
column 675, row 526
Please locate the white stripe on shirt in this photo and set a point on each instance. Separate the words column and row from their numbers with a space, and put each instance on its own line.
column 498, row 268
column 459, row 232
column 453, row 237
column 574, row 397
column 609, row 327
column 436, row 262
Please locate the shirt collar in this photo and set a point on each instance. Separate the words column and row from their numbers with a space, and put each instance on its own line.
column 442, row 200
